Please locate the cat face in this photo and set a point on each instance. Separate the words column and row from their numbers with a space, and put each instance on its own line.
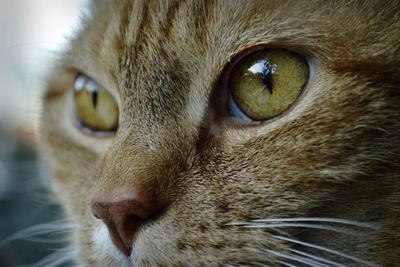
column 162, row 157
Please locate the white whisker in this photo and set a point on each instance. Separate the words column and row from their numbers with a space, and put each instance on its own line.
column 261, row 264
column 295, row 258
column 54, row 259
column 49, row 240
column 316, row 258
column 320, row 219
column 284, row 263
column 302, row 225
column 37, row 230
column 343, row 255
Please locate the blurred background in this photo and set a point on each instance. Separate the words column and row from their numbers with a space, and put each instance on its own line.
column 30, row 33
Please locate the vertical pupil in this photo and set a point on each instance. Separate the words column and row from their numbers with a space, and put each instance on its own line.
column 267, row 80
column 94, row 98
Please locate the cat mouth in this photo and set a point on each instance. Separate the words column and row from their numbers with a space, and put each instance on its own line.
column 113, row 245
column 110, row 245
column 123, row 221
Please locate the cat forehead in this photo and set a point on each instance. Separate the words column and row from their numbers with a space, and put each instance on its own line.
column 128, row 38
column 159, row 54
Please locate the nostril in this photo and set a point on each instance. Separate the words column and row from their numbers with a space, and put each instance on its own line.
column 157, row 213
column 124, row 219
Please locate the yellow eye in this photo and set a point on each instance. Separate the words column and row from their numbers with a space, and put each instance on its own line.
column 266, row 83
column 95, row 107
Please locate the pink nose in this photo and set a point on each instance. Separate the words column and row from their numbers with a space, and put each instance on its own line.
column 125, row 217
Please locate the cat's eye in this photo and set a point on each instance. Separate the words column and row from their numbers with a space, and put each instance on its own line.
column 95, row 107
column 266, row 83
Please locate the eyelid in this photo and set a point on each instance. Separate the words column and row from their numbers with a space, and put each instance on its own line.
column 89, row 132
column 244, row 51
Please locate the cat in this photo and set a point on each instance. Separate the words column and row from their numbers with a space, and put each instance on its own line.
column 229, row 133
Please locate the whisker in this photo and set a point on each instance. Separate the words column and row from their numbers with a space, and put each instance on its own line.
column 261, row 264
column 317, row 258
column 37, row 230
column 302, row 225
column 48, row 240
column 295, row 258
column 321, row 219
column 242, row 265
column 59, row 261
column 284, row 263
column 54, row 259
column 340, row 254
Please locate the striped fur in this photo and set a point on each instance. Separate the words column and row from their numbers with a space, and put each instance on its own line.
column 335, row 154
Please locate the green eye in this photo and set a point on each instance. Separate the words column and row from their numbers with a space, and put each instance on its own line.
column 95, row 107
column 266, row 83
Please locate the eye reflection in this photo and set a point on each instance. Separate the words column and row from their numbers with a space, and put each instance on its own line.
column 264, row 69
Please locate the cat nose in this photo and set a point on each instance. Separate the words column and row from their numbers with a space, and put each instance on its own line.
column 125, row 217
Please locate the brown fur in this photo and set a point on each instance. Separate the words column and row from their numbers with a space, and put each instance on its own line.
column 335, row 154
